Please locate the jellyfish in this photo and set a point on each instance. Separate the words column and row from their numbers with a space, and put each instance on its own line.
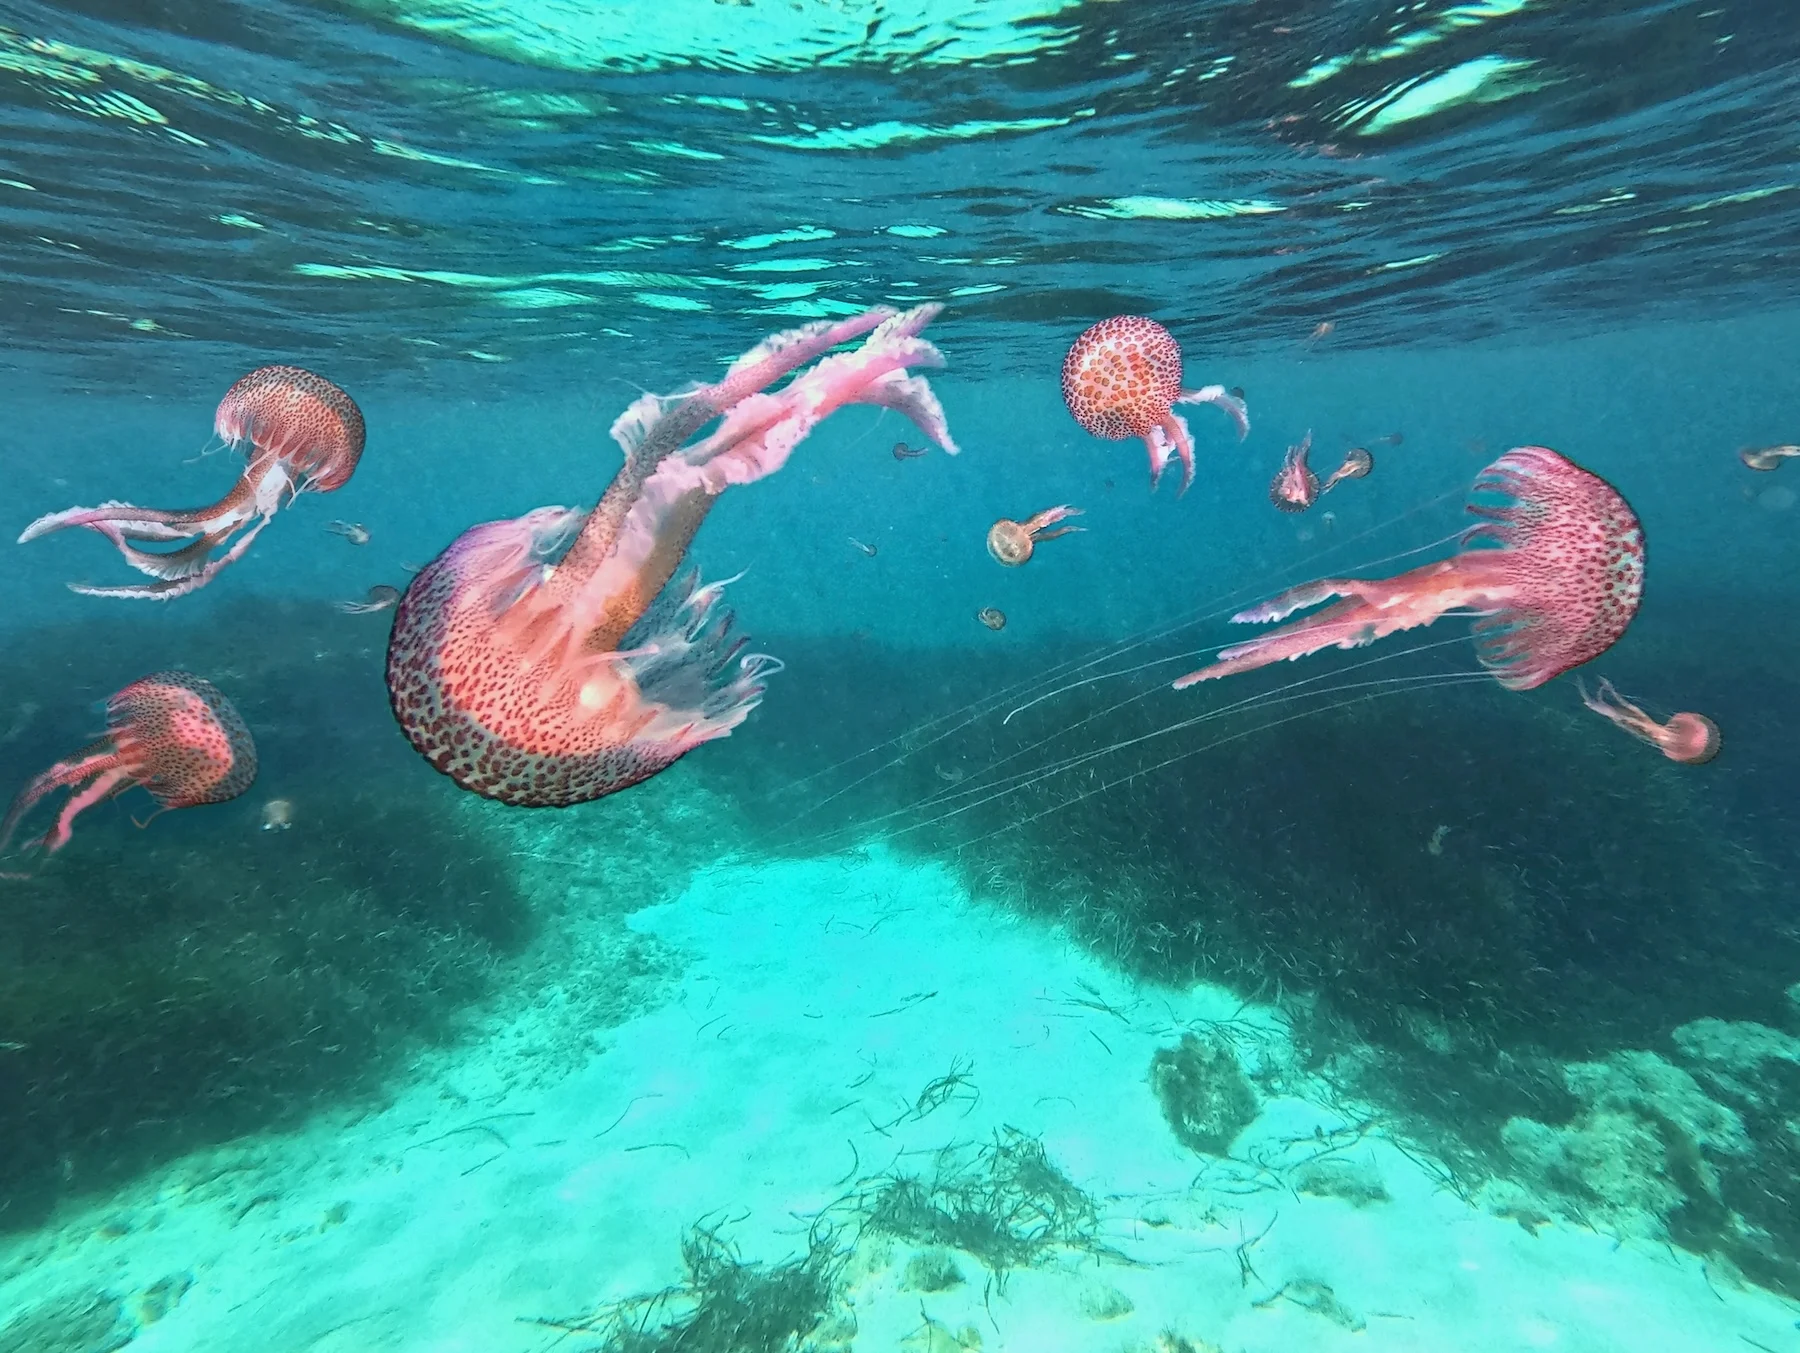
column 1122, row 378
column 1555, row 574
column 993, row 617
column 172, row 732
column 1691, row 739
column 1357, row 464
column 300, row 434
column 381, row 597
column 1012, row 542
column 353, row 531
column 1295, row 487
column 558, row 657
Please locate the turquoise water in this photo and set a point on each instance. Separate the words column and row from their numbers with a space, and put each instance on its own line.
column 1542, row 981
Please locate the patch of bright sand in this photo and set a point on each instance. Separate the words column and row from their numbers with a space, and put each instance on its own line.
column 819, row 998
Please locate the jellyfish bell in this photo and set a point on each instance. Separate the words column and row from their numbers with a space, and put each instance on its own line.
column 1767, row 457
column 992, row 617
column 1356, row 465
column 1295, row 487
column 1122, row 378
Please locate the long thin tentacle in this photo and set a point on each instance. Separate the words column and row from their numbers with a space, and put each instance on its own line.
column 94, row 759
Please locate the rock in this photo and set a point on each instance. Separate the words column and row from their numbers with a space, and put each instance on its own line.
column 1749, row 1061
column 1357, row 1182
column 1204, row 1093
column 933, row 1270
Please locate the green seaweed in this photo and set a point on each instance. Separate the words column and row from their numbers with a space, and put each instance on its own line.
column 1009, row 1207
column 724, row 1305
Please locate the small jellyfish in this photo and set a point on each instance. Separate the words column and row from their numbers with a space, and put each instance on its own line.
column 277, row 815
column 353, row 531
column 300, row 434
column 173, row 733
column 1767, row 457
column 1012, row 542
column 904, row 452
column 1357, row 464
column 1295, row 487
column 381, row 598
column 1392, row 439
column 993, row 617
column 862, row 546
column 1121, row 379
column 1691, row 739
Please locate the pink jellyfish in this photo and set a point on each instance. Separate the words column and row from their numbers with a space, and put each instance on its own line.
column 1122, row 378
column 1692, row 739
column 1559, row 586
column 173, row 733
column 1295, row 487
column 1013, row 542
column 550, row 659
column 300, row 434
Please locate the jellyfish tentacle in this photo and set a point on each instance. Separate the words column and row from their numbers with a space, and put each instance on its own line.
column 1219, row 397
column 96, row 759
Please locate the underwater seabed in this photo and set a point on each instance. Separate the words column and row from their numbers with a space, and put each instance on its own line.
column 867, row 1114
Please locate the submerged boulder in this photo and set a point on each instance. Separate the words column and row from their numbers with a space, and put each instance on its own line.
column 1204, row 1093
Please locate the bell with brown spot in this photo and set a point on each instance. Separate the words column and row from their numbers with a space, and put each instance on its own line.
column 1013, row 542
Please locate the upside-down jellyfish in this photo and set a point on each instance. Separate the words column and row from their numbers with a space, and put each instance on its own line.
column 1012, row 542
column 300, row 433
column 1691, row 739
column 1295, row 487
column 172, row 732
column 1121, row 379
column 1555, row 574
column 555, row 658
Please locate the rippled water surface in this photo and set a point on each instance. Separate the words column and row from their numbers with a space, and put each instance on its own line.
column 399, row 180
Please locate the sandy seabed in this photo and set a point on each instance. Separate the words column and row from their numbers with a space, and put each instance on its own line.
column 520, row 1179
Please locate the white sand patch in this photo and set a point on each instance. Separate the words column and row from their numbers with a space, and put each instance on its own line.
column 821, row 998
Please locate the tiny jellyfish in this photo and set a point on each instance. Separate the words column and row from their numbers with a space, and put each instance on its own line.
column 277, row 815
column 171, row 732
column 299, row 433
column 1392, row 439
column 560, row 656
column 1357, row 464
column 1767, row 457
column 1121, row 379
column 353, row 531
column 1554, row 572
column 1691, row 739
column 1012, row 542
column 1322, row 330
column 904, row 452
column 992, row 616
column 381, row 598
column 1295, row 487
column 1327, row 520
column 862, row 546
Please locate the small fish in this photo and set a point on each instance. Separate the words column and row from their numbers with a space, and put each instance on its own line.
column 866, row 549
column 992, row 616
column 1295, row 487
column 381, row 597
column 1357, row 463
column 353, row 531
column 1767, row 457
column 904, row 452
